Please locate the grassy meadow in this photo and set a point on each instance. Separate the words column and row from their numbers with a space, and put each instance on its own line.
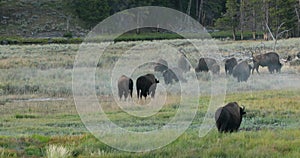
column 39, row 116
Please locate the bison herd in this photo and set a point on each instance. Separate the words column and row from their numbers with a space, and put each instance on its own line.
column 239, row 70
column 229, row 117
column 145, row 85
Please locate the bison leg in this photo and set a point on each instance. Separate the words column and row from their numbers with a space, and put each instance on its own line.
column 278, row 70
column 152, row 90
column 223, row 127
column 255, row 67
column 271, row 69
column 130, row 93
column 139, row 95
column 144, row 93
column 126, row 94
column 219, row 126
column 120, row 93
column 130, row 87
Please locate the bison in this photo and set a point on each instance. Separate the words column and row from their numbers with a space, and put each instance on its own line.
column 215, row 68
column 229, row 117
column 125, row 86
column 161, row 65
column 271, row 60
column 174, row 74
column 242, row 71
column 183, row 63
column 146, row 85
column 205, row 64
column 229, row 65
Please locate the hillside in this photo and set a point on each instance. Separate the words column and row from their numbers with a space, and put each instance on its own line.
column 236, row 19
column 43, row 18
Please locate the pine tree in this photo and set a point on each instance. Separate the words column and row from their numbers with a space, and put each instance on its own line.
column 283, row 14
column 231, row 18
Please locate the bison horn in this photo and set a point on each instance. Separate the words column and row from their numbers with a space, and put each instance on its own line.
column 243, row 107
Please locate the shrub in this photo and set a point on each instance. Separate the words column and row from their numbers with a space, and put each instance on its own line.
column 68, row 35
column 33, row 151
column 60, row 40
column 20, row 116
column 75, row 40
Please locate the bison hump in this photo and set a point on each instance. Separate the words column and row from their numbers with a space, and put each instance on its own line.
column 218, row 113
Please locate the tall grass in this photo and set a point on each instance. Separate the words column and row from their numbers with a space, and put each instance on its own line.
column 57, row 151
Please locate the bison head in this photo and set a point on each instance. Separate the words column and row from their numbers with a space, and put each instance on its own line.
column 242, row 111
column 156, row 81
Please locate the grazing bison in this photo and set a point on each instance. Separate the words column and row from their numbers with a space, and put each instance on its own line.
column 229, row 65
column 242, row 71
column 174, row 74
column 215, row 68
column 229, row 117
column 146, row 85
column 183, row 63
column 161, row 65
column 125, row 86
column 271, row 60
column 205, row 64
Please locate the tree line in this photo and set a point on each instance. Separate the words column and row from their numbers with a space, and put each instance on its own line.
column 272, row 18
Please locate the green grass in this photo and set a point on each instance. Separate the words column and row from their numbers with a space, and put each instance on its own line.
column 24, row 41
column 270, row 128
column 265, row 143
column 28, row 128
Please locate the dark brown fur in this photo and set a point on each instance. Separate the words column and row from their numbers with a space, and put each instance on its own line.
column 271, row 60
column 146, row 85
column 229, row 65
column 242, row 71
column 229, row 117
column 205, row 64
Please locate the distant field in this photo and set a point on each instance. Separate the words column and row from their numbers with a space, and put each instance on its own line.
column 37, row 108
column 125, row 37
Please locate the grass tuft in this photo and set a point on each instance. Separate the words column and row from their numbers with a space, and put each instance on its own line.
column 57, row 151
